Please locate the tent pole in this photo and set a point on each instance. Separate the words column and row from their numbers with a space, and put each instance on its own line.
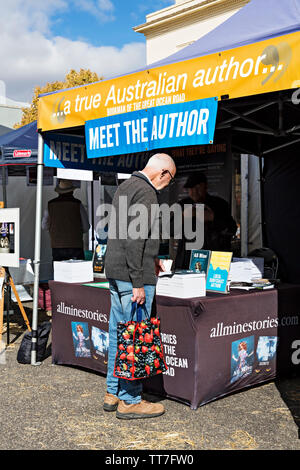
column 37, row 248
column 244, row 205
column 93, row 218
column 4, row 186
column 4, row 196
column 262, row 201
column 261, row 190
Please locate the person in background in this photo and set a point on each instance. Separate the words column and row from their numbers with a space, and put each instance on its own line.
column 66, row 220
column 219, row 226
column 131, row 267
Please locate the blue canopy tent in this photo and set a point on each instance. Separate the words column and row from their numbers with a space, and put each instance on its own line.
column 20, row 146
column 259, row 122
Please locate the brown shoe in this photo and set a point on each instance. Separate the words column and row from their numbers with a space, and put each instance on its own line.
column 144, row 409
column 110, row 402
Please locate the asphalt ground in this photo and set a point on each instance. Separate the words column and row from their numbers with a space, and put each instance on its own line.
column 51, row 407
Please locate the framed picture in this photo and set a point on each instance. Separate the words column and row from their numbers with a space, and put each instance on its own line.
column 10, row 237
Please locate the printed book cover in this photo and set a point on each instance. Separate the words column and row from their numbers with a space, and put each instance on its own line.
column 99, row 258
column 266, row 353
column 199, row 261
column 100, row 341
column 218, row 271
column 81, row 339
column 242, row 358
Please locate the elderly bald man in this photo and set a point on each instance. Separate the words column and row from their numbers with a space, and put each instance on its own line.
column 130, row 266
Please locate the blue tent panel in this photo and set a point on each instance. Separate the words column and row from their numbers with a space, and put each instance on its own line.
column 24, row 138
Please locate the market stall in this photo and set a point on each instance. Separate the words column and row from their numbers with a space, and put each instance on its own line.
column 251, row 63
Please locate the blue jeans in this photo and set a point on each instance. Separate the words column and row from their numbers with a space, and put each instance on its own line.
column 120, row 311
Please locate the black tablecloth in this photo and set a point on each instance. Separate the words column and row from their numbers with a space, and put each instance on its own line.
column 213, row 345
column 77, row 307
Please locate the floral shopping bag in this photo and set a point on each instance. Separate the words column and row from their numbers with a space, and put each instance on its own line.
column 139, row 350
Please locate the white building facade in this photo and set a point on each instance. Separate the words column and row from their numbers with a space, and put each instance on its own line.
column 10, row 110
column 179, row 25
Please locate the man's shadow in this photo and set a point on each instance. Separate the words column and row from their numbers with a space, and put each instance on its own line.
column 289, row 390
column 288, row 351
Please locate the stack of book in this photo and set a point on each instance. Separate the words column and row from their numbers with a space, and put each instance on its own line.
column 254, row 284
column 181, row 284
column 73, row 271
column 247, row 274
column 246, row 269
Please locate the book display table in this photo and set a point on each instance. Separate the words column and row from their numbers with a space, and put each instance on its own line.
column 213, row 345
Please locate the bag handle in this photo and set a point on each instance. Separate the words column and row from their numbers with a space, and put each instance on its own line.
column 138, row 308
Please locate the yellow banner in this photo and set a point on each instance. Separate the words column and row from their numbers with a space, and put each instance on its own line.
column 261, row 67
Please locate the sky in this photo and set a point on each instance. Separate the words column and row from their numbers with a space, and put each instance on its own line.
column 42, row 40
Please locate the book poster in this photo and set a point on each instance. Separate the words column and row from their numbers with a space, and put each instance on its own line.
column 7, row 237
column 81, row 339
column 242, row 358
column 218, row 271
column 266, row 354
column 199, row 261
column 10, row 237
column 100, row 344
column 99, row 258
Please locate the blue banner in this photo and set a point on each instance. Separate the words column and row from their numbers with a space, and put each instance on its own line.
column 68, row 151
column 65, row 151
column 175, row 125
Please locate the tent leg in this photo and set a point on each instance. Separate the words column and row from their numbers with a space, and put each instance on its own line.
column 244, row 205
column 261, row 186
column 4, row 182
column 37, row 248
column 93, row 217
column 262, row 202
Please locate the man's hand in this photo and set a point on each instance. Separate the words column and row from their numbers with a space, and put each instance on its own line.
column 138, row 295
column 159, row 266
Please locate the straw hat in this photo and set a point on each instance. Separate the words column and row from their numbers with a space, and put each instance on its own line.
column 65, row 186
